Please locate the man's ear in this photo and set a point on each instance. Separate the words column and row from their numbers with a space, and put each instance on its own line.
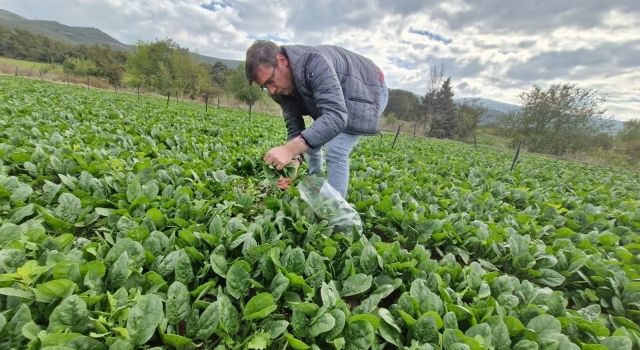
column 282, row 60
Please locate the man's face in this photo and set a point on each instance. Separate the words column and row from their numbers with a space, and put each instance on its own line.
column 277, row 80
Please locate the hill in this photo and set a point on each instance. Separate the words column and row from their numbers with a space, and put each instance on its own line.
column 494, row 109
column 212, row 60
column 61, row 32
column 81, row 35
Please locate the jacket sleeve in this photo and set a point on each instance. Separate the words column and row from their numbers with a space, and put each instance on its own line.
column 322, row 81
column 292, row 116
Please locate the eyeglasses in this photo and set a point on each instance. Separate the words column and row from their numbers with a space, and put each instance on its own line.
column 269, row 81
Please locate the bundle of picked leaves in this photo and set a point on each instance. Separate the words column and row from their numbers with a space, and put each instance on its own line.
column 272, row 175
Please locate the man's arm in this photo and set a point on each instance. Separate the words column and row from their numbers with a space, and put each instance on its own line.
column 295, row 125
column 292, row 116
column 282, row 155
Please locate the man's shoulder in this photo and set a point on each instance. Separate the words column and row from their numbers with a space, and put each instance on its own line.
column 309, row 48
column 294, row 52
column 297, row 50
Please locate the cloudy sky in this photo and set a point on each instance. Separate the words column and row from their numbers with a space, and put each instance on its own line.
column 491, row 49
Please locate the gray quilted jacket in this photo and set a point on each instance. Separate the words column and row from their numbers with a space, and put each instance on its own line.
column 339, row 89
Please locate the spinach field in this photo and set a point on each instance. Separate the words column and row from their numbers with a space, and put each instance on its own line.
column 126, row 224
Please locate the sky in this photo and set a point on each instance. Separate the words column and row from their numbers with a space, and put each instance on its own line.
column 490, row 49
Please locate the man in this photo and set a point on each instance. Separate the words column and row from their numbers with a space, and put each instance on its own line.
column 342, row 91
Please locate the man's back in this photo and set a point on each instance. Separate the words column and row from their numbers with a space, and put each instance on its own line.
column 315, row 68
column 345, row 63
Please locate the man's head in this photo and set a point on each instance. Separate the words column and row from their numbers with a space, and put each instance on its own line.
column 267, row 65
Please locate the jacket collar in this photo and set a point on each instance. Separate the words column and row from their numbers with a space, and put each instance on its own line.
column 296, row 55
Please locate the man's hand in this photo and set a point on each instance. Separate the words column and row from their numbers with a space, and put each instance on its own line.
column 279, row 157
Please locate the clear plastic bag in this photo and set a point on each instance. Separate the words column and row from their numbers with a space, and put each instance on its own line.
column 328, row 204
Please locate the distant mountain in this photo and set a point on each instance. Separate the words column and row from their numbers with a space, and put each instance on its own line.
column 81, row 35
column 495, row 109
column 490, row 104
column 212, row 60
column 614, row 125
column 61, row 32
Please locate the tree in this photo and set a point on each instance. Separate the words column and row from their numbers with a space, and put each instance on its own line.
column 437, row 105
column 207, row 90
column 182, row 72
column 560, row 119
column 630, row 131
column 163, row 80
column 467, row 118
column 429, row 100
column 208, row 87
column 403, row 104
column 197, row 78
column 22, row 44
column 151, row 64
column 629, row 140
column 79, row 66
column 443, row 119
column 140, row 66
column 238, row 85
column 218, row 72
column 109, row 62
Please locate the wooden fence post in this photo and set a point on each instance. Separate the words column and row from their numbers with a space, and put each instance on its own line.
column 396, row 138
column 515, row 158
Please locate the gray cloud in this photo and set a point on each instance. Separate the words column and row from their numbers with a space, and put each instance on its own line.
column 215, row 5
column 312, row 16
column 431, row 35
column 601, row 60
column 405, row 7
column 308, row 15
column 526, row 44
column 534, row 16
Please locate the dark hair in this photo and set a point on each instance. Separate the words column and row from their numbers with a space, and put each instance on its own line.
column 260, row 52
